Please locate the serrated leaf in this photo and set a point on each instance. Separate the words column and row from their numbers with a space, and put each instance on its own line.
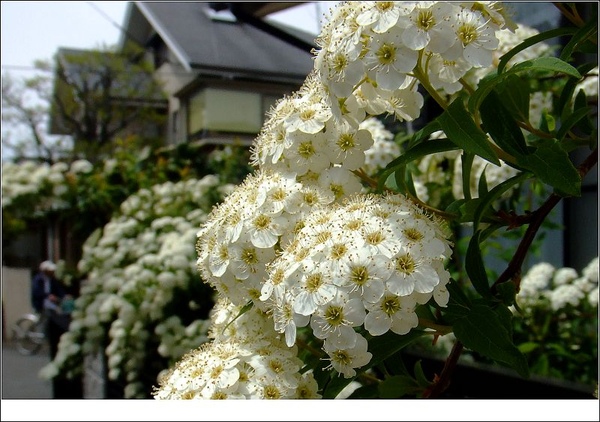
column 481, row 330
column 551, row 164
column 460, row 128
column 475, row 268
column 501, row 126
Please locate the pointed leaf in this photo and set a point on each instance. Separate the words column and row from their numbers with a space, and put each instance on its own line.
column 432, row 146
column 475, row 268
column 482, row 330
column 553, row 33
column 552, row 165
column 461, row 129
column 543, row 63
column 424, row 133
column 486, row 202
column 501, row 126
column 586, row 32
column 514, row 95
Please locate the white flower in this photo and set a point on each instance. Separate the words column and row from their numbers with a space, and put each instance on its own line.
column 382, row 15
column 345, row 360
column 335, row 320
column 475, row 39
column 388, row 61
column 347, row 146
column 429, row 27
column 391, row 312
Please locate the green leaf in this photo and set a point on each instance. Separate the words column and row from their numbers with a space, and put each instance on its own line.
column 551, row 164
column 420, row 376
column 551, row 64
column 389, row 343
column 397, row 386
column 482, row 187
column 466, row 162
column 242, row 311
column 586, row 32
column 507, row 292
column 566, row 95
column 543, row 63
column 366, row 392
column 571, row 121
column 461, row 129
column 482, row 330
column 420, row 150
column 459, row 302
column 424, row 133
column 528, row 347
column 485, row 203
column 475, row 268
column 514, row 95
column 501, row 126
column 558, row 32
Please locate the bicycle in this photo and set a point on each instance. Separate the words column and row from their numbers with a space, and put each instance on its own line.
column 29, row 333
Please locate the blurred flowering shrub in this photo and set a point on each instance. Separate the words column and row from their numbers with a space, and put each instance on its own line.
column 142, row 303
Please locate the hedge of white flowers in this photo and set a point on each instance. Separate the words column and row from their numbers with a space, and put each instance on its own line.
column 42, row 182
column 298, row 242
column 137, row 266
column 558, row 288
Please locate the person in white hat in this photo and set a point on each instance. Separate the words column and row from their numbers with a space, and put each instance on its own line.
column 46, row 290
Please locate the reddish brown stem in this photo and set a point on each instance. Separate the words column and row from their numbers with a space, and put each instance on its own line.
column 513, row 270
column 442, row 382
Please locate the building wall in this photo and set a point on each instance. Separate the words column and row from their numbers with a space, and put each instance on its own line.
column 16, row 289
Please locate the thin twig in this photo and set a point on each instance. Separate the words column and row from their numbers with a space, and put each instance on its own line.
column 513, row 270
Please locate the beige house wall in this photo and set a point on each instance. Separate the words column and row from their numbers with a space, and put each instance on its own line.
column 16, row 289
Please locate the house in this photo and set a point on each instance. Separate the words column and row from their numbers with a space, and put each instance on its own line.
column 220, row 67
column 220, row 64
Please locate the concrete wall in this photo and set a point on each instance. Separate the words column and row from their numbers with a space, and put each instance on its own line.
column 16, row 289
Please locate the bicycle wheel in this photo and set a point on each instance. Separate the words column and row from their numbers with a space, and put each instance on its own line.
column 29, row 336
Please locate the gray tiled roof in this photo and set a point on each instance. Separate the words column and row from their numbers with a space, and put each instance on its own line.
column 211, row 44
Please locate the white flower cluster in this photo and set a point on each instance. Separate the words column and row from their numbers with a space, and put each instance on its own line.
column 383, row 150
column 247, row 360
column 297, row 239
column 559, row 287
column 135, row 267
column 46, row 182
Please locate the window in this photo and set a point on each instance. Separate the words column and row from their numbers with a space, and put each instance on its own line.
column 225, row 110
